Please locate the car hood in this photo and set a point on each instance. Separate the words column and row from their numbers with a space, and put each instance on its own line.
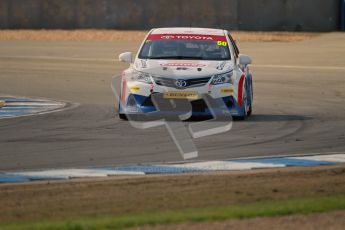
column 182, row 68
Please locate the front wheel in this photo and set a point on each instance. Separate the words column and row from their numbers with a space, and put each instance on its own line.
column 122, row 116
column 244, row 107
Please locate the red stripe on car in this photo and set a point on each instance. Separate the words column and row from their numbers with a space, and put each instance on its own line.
column 186, row 37
column 240, row 90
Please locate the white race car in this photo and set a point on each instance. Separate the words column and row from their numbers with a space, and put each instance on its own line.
column 187, row 63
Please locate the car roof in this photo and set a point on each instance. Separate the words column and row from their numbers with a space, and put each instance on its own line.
column 187, row 30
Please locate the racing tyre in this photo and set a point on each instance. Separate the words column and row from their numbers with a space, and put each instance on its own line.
column 251, row 102
column 244, row 104
column 249, row 113
column 122, row 116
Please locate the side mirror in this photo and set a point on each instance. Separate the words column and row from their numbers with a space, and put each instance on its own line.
column 126, row 57
column 244, row 59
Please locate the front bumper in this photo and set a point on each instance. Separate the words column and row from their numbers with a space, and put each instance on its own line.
column 138, row 104
column 136, row 98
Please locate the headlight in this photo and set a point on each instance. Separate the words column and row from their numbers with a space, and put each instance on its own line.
column 140, row 76
column 222, row 78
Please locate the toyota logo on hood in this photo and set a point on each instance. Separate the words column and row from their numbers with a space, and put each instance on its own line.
column 181, row 83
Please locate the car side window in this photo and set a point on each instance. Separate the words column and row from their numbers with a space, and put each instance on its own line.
column 237, row 51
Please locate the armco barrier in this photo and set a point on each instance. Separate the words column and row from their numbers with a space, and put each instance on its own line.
column 266, row 15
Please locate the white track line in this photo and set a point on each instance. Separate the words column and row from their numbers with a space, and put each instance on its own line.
column 60, row 58
column 342, row 68
column 301, row 67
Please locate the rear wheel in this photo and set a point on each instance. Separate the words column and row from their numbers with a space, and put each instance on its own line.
column 251, row 101
column 249, row 113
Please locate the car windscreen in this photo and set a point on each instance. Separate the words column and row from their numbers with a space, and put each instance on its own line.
column 193, row 47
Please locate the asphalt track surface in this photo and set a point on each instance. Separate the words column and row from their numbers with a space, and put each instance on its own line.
column 299, row 106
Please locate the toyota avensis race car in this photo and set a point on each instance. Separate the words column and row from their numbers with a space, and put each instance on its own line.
column 186, row 63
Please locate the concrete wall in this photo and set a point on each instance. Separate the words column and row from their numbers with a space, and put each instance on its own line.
column 300, row 15
column 306, row 15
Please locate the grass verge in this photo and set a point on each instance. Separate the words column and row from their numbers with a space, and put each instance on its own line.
column 306, row 205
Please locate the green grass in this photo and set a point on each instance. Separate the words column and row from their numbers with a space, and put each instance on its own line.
column 273, row 208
